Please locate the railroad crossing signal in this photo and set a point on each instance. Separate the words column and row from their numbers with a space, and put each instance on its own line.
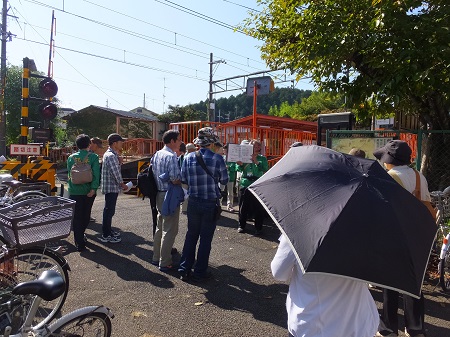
column 48, row 89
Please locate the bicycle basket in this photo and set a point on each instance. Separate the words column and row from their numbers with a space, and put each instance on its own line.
column 36, row 221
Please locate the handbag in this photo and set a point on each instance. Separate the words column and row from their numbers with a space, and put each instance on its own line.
column 218, row 211
column 81, row 172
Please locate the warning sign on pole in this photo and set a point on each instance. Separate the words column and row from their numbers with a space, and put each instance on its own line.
column 25, row 149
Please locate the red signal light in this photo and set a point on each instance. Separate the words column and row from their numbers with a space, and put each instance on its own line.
column 48, row 88
column 48, row 111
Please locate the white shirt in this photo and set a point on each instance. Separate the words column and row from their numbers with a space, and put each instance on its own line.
column 322, row 305
column 408, row 178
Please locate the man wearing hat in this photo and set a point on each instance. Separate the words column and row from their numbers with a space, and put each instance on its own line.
column 204, row 192
column 111, row 184
column 396, row 156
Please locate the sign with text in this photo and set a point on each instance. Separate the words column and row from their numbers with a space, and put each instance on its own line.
column 241, row 153
column 25, row 149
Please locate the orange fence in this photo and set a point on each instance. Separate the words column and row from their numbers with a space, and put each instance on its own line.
column 276, row 142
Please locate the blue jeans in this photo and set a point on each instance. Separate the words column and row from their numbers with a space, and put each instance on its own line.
column 108, row 212
column 201, row 224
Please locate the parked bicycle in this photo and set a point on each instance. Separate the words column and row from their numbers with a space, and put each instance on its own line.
column 10, row 193
column 85, row 322
column 441, row 200
column 25, row 225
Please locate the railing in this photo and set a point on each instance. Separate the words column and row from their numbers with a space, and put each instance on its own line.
column 133, row 148
column 276, row 142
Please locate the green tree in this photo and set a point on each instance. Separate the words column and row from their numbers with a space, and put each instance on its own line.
column 393, row 53
column 178, row 113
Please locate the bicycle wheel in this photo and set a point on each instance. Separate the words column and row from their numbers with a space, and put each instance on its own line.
column 26, row 265
column 29, row 195
column 444, row 272
column 95, row 324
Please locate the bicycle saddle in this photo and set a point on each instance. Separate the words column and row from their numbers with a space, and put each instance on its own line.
column 48, row 286
column 12, row 183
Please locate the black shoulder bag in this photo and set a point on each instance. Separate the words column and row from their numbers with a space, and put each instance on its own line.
column 199, row 157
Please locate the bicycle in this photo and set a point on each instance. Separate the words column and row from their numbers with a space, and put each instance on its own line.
column 88, row 321
column 24, row 225
column 11, row 193
column 441, row 200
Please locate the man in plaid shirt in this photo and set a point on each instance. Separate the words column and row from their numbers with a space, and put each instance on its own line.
column 204, row 194
column 112, row 184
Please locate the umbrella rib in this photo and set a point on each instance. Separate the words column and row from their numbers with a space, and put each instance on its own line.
column 281, row 229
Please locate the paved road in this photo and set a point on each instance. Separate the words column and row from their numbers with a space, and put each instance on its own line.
column 241, row 300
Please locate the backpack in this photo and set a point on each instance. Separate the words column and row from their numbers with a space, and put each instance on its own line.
column 146, row 183
column 81, row 171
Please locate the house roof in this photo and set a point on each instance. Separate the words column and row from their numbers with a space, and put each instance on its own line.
column 121, row 113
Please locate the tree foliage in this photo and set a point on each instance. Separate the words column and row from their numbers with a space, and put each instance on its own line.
column 393, row 53
column 310, row 107
column 235, row 107
column 384, row 55
column 181, row 114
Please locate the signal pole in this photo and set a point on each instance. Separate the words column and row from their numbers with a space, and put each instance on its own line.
column 3, row 80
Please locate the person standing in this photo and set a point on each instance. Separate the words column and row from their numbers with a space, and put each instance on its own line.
column 189, row 148
column 111, row 184
column 396, row 156
column 83, row 194
column 95, row 147
column 204, row 193
column 320, row 305
column 231, row 167
column 250, row 173
column 165, row 161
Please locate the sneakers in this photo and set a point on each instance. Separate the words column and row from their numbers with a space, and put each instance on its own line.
column 230, row 208
column 241, row 230
column 115, row 234
column 110, row 239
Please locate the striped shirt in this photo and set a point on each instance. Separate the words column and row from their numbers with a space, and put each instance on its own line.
column 111, row 177
column 200, row 183
column 165, row 161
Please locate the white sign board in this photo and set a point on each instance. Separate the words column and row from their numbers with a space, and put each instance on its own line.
column 25, row 149
column 241, row 153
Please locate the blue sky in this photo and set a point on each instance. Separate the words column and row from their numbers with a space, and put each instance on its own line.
column 111, row 52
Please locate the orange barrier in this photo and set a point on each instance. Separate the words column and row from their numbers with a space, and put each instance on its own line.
column 276, row 142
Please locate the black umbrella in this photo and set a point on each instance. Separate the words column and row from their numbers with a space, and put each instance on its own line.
column 345, row 216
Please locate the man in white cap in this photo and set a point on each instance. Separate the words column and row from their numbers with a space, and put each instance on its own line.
column 204, row 194
column 111, row 184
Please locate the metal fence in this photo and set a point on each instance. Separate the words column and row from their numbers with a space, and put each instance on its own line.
column 430, row 149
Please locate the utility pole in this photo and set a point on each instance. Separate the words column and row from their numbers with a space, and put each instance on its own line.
column 211, row 107
column 3, row 80
column 210, row 101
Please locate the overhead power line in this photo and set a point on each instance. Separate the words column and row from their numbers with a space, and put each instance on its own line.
column 121, row 61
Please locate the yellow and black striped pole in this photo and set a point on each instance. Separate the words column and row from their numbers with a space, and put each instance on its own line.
column 25, row 101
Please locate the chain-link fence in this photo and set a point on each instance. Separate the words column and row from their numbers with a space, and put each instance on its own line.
column 430, row 149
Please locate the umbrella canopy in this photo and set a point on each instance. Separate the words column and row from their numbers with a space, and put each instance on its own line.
column 345, row 216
